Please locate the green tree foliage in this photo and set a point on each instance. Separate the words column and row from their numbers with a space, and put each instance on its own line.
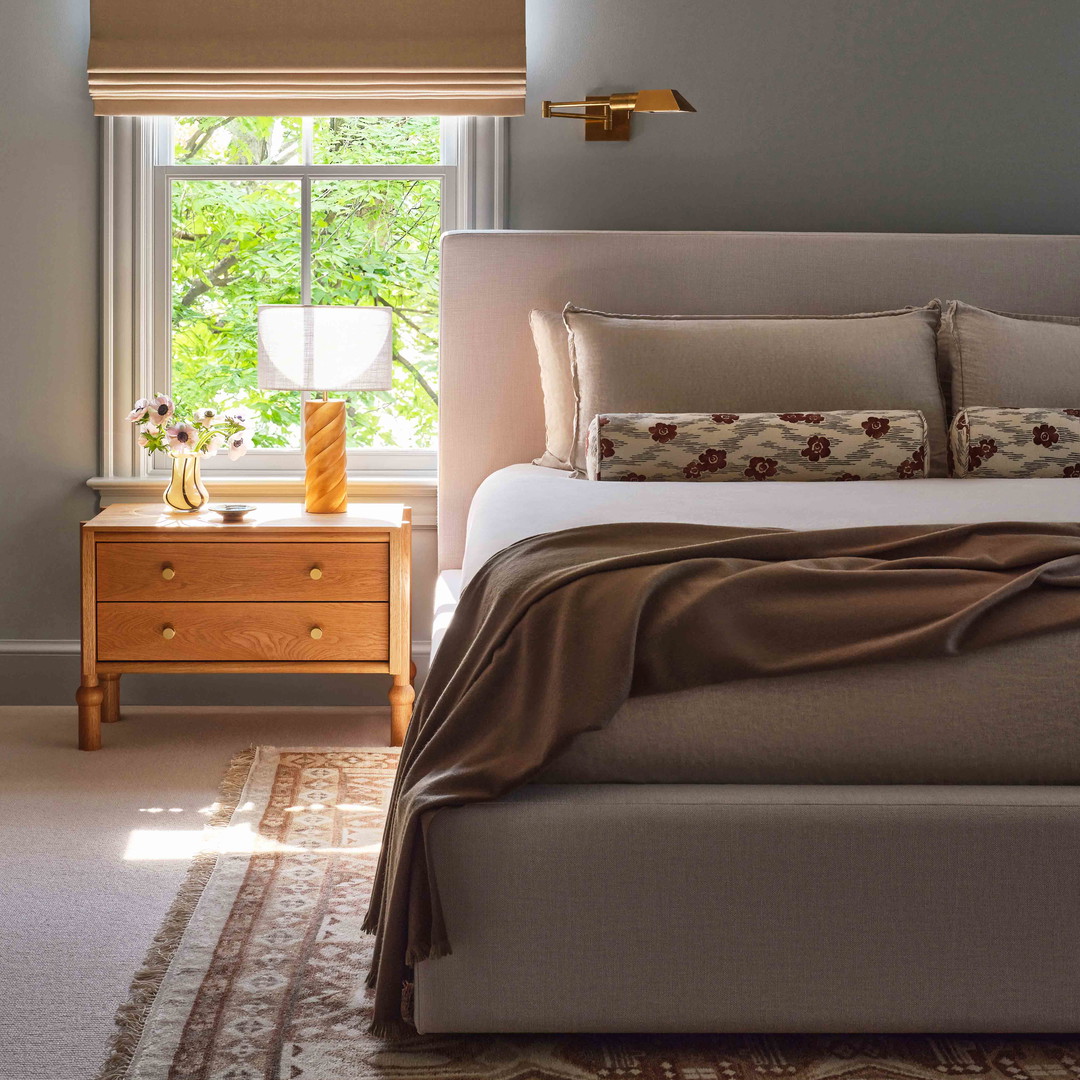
column 236, row 243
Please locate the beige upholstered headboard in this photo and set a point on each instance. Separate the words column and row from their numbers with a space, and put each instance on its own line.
column 491, row 411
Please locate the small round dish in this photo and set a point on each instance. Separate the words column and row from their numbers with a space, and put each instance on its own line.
column 231, row 513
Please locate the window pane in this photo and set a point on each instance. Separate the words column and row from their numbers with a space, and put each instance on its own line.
column 377, row 242
column 237, row 140
column 377, row 140
column 235, row 245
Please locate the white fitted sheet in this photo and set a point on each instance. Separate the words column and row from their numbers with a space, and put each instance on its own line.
column 1004, row 715
column 526, row 500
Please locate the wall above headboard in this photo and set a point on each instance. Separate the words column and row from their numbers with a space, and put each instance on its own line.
column 491, row 409
column 876, row 115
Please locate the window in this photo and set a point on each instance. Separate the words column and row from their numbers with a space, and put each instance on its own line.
column 221, row 214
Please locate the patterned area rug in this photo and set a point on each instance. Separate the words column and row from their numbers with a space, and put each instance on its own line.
column 258, row 973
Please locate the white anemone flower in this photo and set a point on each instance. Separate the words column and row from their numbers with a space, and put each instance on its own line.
column 237, row 416
column 140, row 412
column 205, row 417
column 161, row 410
column 237, row 446
column 144, row 439
column 182, row 437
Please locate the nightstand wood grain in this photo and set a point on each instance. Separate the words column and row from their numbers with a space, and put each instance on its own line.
column 285, row 591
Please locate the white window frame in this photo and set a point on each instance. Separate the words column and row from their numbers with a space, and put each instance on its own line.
column 136, row 309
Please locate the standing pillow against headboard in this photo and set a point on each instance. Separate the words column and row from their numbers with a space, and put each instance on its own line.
column 681, row 364
column 997, row 358
column 553, row 352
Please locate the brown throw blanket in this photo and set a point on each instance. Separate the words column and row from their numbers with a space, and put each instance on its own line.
column 556, row 631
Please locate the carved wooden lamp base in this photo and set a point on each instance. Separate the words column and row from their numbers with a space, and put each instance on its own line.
column 326, row 483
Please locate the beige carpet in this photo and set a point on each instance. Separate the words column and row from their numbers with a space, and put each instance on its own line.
column 267, row 981
column 87, row 873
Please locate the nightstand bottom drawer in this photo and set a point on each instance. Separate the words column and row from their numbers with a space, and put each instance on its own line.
column 238, row 632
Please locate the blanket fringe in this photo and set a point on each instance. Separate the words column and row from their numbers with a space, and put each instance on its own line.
column 391, row 1030
column 131, row 1016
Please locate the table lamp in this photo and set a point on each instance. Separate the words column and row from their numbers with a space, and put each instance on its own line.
column 322, row 348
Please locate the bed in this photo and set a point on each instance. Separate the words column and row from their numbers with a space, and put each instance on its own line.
column 890, row 847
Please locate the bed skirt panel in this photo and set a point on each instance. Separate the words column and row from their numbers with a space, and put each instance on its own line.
column 746, row 908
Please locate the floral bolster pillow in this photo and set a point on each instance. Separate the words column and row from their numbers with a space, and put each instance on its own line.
column 1015, row 443
column 847, row 445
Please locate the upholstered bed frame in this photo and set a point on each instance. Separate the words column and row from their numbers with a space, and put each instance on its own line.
column 742, row 907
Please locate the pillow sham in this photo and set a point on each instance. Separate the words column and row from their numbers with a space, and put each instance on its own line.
column 553, row 353
column 669, row 364
column 845, row 445
column 994, row 356
column 1015, row 443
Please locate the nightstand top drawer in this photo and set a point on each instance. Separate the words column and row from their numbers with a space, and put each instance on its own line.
column 244, row 633
column 236, row 572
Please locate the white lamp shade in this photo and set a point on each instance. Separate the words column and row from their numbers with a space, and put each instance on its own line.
column 308, row 347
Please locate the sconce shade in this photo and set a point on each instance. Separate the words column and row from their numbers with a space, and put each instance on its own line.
column 661, row 101
column 324, row 347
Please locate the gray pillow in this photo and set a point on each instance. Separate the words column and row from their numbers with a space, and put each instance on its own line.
column 994, row 358
column 683, row 364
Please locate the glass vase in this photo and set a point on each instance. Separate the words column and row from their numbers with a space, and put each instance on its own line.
column 186, row 491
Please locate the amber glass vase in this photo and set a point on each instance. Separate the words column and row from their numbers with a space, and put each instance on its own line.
column 186, row 491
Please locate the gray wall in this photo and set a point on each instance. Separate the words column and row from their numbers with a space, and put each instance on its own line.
column 48, row 330
column 813, row 114
column 898, row 115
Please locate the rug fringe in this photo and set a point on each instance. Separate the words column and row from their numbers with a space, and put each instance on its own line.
column 131, row 1016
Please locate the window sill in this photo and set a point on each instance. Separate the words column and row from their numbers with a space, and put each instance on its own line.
column 372, row 487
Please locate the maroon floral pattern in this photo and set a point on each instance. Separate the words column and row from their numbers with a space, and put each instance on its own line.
column 1008, row 443
column 981, row 452
column 914, row 468
column 761, row 468
column 817, row 447
column 1045, row 435
column 1072, row 472
column 802, row 417
column 876, row 427
column 713, row 460
column 710, row 447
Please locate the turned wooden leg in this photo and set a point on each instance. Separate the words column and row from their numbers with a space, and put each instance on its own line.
column 89, row 697
column 110, row 706
column 401, row 699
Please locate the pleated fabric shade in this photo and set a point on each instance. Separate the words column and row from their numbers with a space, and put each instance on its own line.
column 307, row 57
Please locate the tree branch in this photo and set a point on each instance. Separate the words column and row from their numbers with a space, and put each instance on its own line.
column 415, row 373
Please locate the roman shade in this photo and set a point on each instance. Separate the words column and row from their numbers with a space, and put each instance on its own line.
column 316, row 58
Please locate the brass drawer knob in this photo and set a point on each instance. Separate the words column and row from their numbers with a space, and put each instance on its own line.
column 315, row 573
column 167, row 572
column 316, row 632
column 168, row 633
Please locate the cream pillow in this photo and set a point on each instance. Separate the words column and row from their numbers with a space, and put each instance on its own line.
column 679, row 364
column 553, row 352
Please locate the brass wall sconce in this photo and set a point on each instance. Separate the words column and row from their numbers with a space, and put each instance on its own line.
column 607, row 119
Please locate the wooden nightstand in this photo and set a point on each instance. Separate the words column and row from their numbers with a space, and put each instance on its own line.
column 285, row 591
